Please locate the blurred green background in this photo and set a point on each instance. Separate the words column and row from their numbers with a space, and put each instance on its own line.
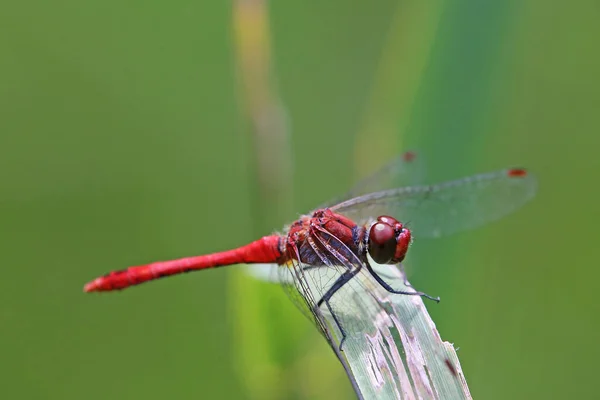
column 123, row 141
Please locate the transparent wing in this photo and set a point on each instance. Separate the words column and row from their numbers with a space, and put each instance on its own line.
column 404, row 170
column 435, row 210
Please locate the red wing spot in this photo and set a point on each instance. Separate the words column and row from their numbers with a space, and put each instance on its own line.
column 450, row 367
column 409, row 156
column 517, row 173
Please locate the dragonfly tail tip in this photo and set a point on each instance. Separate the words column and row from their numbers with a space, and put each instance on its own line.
column 90, row 287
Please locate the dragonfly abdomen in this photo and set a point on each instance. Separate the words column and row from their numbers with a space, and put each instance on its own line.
column 264, row 250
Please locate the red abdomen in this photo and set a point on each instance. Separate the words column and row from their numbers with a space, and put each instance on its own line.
column 265, row 250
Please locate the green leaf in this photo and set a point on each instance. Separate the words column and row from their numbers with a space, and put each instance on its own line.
column 392, row 349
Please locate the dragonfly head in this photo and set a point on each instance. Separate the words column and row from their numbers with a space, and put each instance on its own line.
column 388, row 240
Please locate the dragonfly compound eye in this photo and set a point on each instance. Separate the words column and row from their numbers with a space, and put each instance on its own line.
column 382, row 242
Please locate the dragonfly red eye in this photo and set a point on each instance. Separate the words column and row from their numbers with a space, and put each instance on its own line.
column 382, row 242
column 388, row 240
column 391, row 221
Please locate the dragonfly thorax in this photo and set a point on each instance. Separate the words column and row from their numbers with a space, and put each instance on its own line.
column 324, row 232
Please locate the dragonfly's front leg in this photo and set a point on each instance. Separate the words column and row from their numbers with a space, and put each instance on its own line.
column 390, row 289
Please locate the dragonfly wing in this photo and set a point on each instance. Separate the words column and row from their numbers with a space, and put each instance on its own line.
column 305, row 284
column 435, row 210
column 404, row 170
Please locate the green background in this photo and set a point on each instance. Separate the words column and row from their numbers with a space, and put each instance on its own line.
column 122, row 141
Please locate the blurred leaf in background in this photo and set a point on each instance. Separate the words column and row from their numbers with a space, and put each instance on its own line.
column 122, row 142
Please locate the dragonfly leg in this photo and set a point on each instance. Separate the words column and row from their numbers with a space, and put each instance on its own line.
column 387, row 287
column 392, row 276
column 337, row 285
column 338, row 323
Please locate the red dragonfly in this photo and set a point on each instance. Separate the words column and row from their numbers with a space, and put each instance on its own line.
column 350, row 236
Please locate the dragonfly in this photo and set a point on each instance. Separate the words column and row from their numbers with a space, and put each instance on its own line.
column 347, row 239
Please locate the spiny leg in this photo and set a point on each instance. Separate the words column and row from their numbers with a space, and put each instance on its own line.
column 390, row 289
column 337, row 285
